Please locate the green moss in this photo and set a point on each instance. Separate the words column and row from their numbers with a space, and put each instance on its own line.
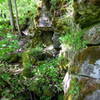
column 92, row 53
column 74, row 69
column 87, row 87
column 30, row 57
column 26, row 64
column 47, row 91
column 86, row 15
column 36, row 39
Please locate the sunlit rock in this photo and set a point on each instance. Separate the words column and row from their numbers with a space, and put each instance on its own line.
column 66, row 82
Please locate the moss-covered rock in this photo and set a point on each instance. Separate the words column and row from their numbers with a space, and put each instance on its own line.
column 26, row 62
column 83, row 82
column 86, row 12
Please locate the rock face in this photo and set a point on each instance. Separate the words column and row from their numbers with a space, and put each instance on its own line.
column 56, row 40
column 44, row 19
column 86, row 70
column 56, row 43
column 95, row 96
column 43, row 30
column 86, row 12
column 91, row 70
column 93, row 35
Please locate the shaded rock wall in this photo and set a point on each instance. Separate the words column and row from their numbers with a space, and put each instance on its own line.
column 86, row 12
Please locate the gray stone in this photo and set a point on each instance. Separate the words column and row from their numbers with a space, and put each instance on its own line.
column 44, row 20
column 86, row 72
column 56, row 41
column 94, row 96
column 92, row 35
column 92, row 70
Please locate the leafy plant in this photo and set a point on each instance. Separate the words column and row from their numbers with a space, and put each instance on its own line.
column 36, row 51
column 8, row 44
column 48, row 74
column 74, row 39
column 31, row 7
column 53, row 3
column 75, row 89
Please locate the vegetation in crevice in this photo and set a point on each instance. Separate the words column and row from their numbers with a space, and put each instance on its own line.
column 31, row 68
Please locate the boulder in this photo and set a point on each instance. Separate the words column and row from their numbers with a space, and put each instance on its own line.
column 82, row 82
